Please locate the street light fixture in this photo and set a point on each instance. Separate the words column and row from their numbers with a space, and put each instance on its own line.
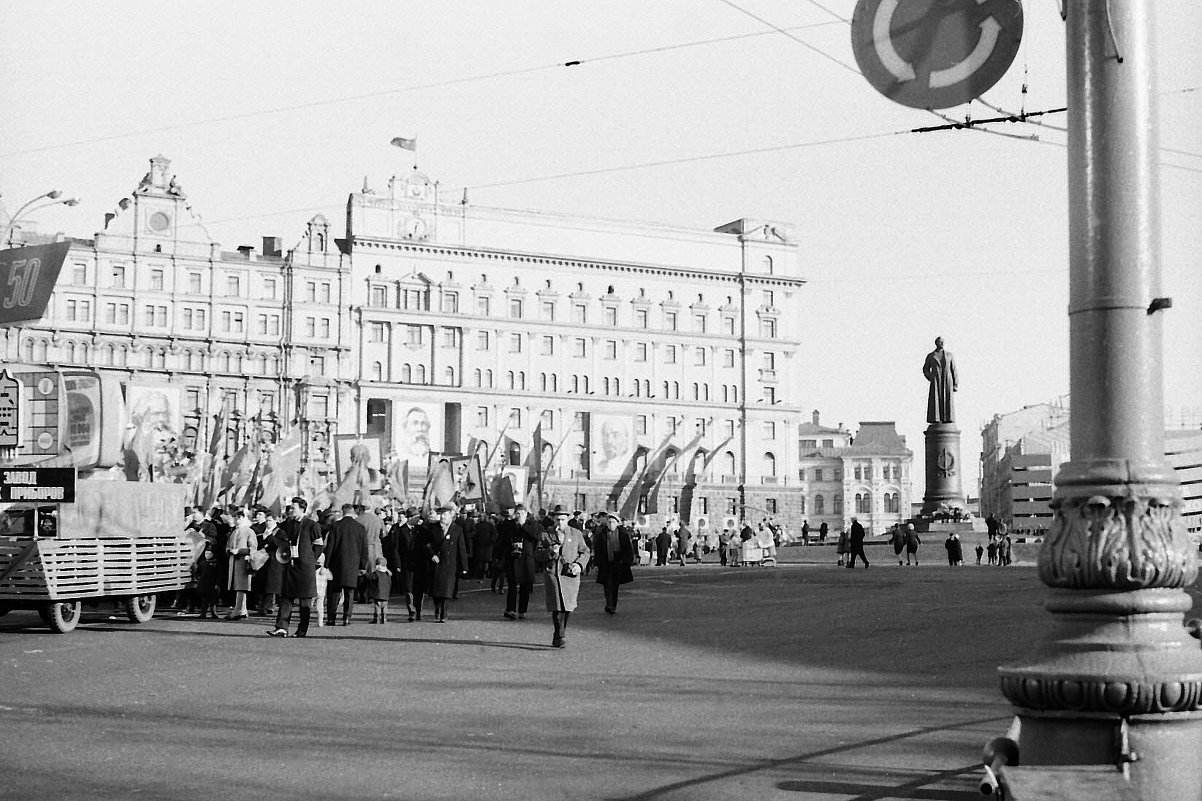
column 54, row 198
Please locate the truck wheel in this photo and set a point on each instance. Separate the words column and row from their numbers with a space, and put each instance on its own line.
column 140, row 608
column 62, row 617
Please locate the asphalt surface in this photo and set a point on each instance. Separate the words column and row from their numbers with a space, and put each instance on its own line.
column 800, row 681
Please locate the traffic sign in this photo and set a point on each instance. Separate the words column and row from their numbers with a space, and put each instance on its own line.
column 10, row 411
column 37, row 484
column 27, row 277
column 935, row 53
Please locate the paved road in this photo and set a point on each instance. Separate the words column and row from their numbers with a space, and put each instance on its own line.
column 796, row 682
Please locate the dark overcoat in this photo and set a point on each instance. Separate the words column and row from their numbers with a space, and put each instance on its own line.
column 450, row 547
column 618, row 568
column 520, row 564
column 298, row 578
column 346, row 552
column 486, row 540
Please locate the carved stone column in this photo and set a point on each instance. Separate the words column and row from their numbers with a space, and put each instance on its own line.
column 1119, row 681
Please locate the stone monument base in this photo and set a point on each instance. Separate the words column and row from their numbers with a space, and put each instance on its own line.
column 943, row 468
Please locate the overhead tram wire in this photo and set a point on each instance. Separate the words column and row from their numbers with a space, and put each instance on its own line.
column 468, row 79
column 786, row 32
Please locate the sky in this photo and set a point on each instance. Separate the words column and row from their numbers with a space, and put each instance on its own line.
column 686, row 113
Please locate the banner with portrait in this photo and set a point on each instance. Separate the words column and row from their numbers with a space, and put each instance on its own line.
column 615, row 445
column 418, row 428
column 152, row 429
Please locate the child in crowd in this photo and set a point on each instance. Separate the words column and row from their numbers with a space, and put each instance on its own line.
column 323, row 579
column 379, row 587
column 207, row 572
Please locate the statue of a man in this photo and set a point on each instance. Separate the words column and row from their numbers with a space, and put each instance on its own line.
column 940, row 370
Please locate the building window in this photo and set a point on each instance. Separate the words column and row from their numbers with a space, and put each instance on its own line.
column 413, row 334
column 481, row 413
column 375, row 332
column 325, row 292
column 828, row 443
column 156, row 280
column 193, row 283
column 548, row 346
column 118, row 276
column 311, row 291
column 515, row 308
column 317, row 365
column 770, row 505
column 611, row 315
column 378, row 296
column 239, row 322
column 483, row 305
column 547, row 420
column 581, row 349
column 549, row 310
column 79, row 275
column 450, row 303
column 769, row 394
column 450, row 337
column 767, row 298
column 148, row 318
column 699, row 357
column 670, row 321
column 640, row 318
column 728, row 357
column 669, row 354
column 482, row 340
column 728, row 325
column 416, row 299
column 515, row 343
column 515, row 419
column 768, row 329
column 262, row 320
column 377, row 371
column 611, row 349
column 640, row 351
column 579, row 313
column 769, row 465
column 820, row 505
column 233, row 286
column 769, row 430
column 818, row 474
column 732, row 506
column 269, row 288
column 323, row 328
column 640, row 424
column 699, row 323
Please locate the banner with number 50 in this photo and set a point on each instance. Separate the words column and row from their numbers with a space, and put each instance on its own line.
column 27, row 277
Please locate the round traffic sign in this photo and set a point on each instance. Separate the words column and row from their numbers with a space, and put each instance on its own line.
column 935, row 53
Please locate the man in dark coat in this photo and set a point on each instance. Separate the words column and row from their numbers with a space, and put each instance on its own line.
column 346, row 559
column 613, row 549
column 822, row 530
column 408, row 562
column 447, row 548
column 519, row 537
column 857, row 544
column 486, row 542
column 662, row 543
column 295, row 545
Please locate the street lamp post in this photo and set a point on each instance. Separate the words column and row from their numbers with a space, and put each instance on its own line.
column 1118, row 682
column 53, row 198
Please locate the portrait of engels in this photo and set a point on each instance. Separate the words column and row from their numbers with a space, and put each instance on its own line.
column 940, row 371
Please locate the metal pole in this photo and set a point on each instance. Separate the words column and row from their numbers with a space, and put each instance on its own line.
column 1118, row 682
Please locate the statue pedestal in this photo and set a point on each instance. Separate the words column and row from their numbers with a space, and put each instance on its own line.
column 943, row 467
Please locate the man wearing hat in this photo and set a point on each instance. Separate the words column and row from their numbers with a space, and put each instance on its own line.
column 446, row 547
column 403, row 557
column 568, row 554
column 295, row 547
column 614, row 551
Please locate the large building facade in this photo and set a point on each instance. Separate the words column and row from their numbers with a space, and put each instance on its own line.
column 653, row 366
column 867, row 476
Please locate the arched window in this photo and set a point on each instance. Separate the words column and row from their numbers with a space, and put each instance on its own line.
column 421, row 374
column 667, row 390
column 617, row 386
column 769, row 465
column 522, row 379
column 734, row 394
column 605, row 385
column 71, row 352
column 670, row 458
column 29, row 350
column 488, row 374
column 377, row 371
column 647, row 387
column 478, row 377
column 586, row 385
column 509, row 379
column 237, row 363
column 121, row 356
column 554, row 382
column 676, row 390
column 725, row 393
column 449, row 375
column 406, row 374
column 273, row 365
column 838, row 505
column 223, row 362
column 728, row 463
column 696, row 391
column 705, row 391
column 542, row 382
column 818, row 505
column 514, row 453
column 575, row 383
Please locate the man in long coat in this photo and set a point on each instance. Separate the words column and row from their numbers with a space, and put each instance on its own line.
column 520, row 538
column 561, row 578
column 296, row 546
column 857, row 544
column 446, row 546
column 662, row 543
column 398, row 550
column 486, row 541
column 613, row 550
column 346, row 559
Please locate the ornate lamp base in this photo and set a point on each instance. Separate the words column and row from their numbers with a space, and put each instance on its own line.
column 942, row 467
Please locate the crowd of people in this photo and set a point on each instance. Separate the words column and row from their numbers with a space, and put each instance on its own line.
column 322, row 564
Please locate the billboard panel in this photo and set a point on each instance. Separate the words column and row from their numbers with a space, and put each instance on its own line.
column 153, row 429
column 420, row 424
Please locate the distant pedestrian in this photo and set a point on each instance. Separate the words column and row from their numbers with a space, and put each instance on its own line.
column 724, row 546
column 955, row 554
column 805, row 532
column 1005, row 550
column 822, row 530
column 980, row 550
column 377, row 589
column 991, row 551
column 912, row 543
column 843, row 547
column 898, row 541
column 684, row 542
column 662, row 543
column 857, row 544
